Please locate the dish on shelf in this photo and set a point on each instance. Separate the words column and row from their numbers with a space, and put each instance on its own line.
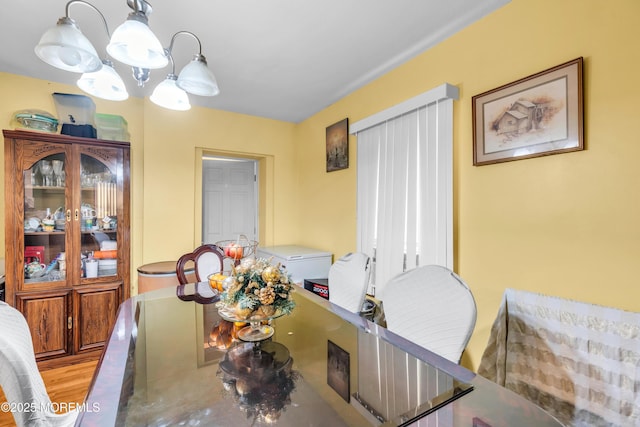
column 37, row 120
column 31, row 224
column 107, row 263
column 48, row 224
column 107, row 267
column 108, row 245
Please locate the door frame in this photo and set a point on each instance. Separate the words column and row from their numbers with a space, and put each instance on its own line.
column 265, row 192
column 219, row 161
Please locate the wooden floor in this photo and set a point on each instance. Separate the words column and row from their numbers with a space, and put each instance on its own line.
column 64, row 385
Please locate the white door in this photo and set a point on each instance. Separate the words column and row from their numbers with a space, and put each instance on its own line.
column 229, row 199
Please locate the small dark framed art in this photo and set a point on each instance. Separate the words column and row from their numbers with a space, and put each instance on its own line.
column 338, row 146
column 535, row 116
column 338, row 369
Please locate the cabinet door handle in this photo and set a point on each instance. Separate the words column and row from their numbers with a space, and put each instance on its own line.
column 76, row 215
column 68, row 215
column 69, row 322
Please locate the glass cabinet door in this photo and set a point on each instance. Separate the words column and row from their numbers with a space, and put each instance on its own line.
column 98, row 218
column 46, row 220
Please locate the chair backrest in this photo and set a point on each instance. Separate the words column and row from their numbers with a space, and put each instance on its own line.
column 20, row 379
column 208, row 259
column 348, row 281
column 432, row 307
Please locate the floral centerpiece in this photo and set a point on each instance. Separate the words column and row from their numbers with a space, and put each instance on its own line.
column 256, row 288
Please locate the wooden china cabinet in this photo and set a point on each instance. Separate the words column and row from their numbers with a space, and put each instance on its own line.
column 66, row 239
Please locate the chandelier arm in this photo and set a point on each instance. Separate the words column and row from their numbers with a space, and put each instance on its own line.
column 167, row 53
column 189, row 33
column 104, row 21
column 140, row 6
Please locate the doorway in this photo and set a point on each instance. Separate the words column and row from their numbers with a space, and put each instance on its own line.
column 229, row 198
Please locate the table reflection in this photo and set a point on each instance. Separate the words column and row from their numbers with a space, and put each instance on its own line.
column 259, row 378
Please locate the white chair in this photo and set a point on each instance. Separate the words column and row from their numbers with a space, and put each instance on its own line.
column 19, row 376
column 348, row 281
column 432, row 307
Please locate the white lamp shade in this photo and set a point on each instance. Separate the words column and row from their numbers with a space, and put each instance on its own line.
column 133, row 43
column 170, row 96
column 197, row 78
column 65, row 47
column 105, row 83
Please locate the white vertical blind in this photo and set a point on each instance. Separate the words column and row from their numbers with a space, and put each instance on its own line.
column 405, row 213
column 401, row 382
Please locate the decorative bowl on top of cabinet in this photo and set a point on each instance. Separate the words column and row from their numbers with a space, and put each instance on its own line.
column 66, row 239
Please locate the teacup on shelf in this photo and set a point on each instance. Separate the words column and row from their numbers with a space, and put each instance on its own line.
column 34, row 269
column 48, row 224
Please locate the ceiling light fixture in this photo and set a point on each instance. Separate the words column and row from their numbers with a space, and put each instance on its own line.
column 196, row 77
column 132, row 43
column 168, row 95
column 105, row 83
column 65, row 47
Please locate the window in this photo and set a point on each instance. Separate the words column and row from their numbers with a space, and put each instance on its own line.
column 404, row 178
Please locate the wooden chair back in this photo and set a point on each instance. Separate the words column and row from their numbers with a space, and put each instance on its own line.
column 207, row 259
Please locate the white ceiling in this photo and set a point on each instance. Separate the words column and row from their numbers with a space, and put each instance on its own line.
column 279, row 59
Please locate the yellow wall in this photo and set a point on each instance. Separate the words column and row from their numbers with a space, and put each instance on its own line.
column 172, row 181
column 566, row 224
column 19, row 93
column 166, row 147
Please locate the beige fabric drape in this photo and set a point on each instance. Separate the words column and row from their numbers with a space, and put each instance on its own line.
column 578, row 361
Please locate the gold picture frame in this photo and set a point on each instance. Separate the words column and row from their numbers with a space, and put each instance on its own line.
column 535, row 116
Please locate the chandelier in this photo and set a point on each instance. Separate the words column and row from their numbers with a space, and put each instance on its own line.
column 132, row 43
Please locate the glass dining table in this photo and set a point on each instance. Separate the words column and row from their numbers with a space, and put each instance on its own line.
column 173, row 360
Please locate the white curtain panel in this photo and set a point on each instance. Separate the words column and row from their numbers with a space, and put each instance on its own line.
column 404, row 206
